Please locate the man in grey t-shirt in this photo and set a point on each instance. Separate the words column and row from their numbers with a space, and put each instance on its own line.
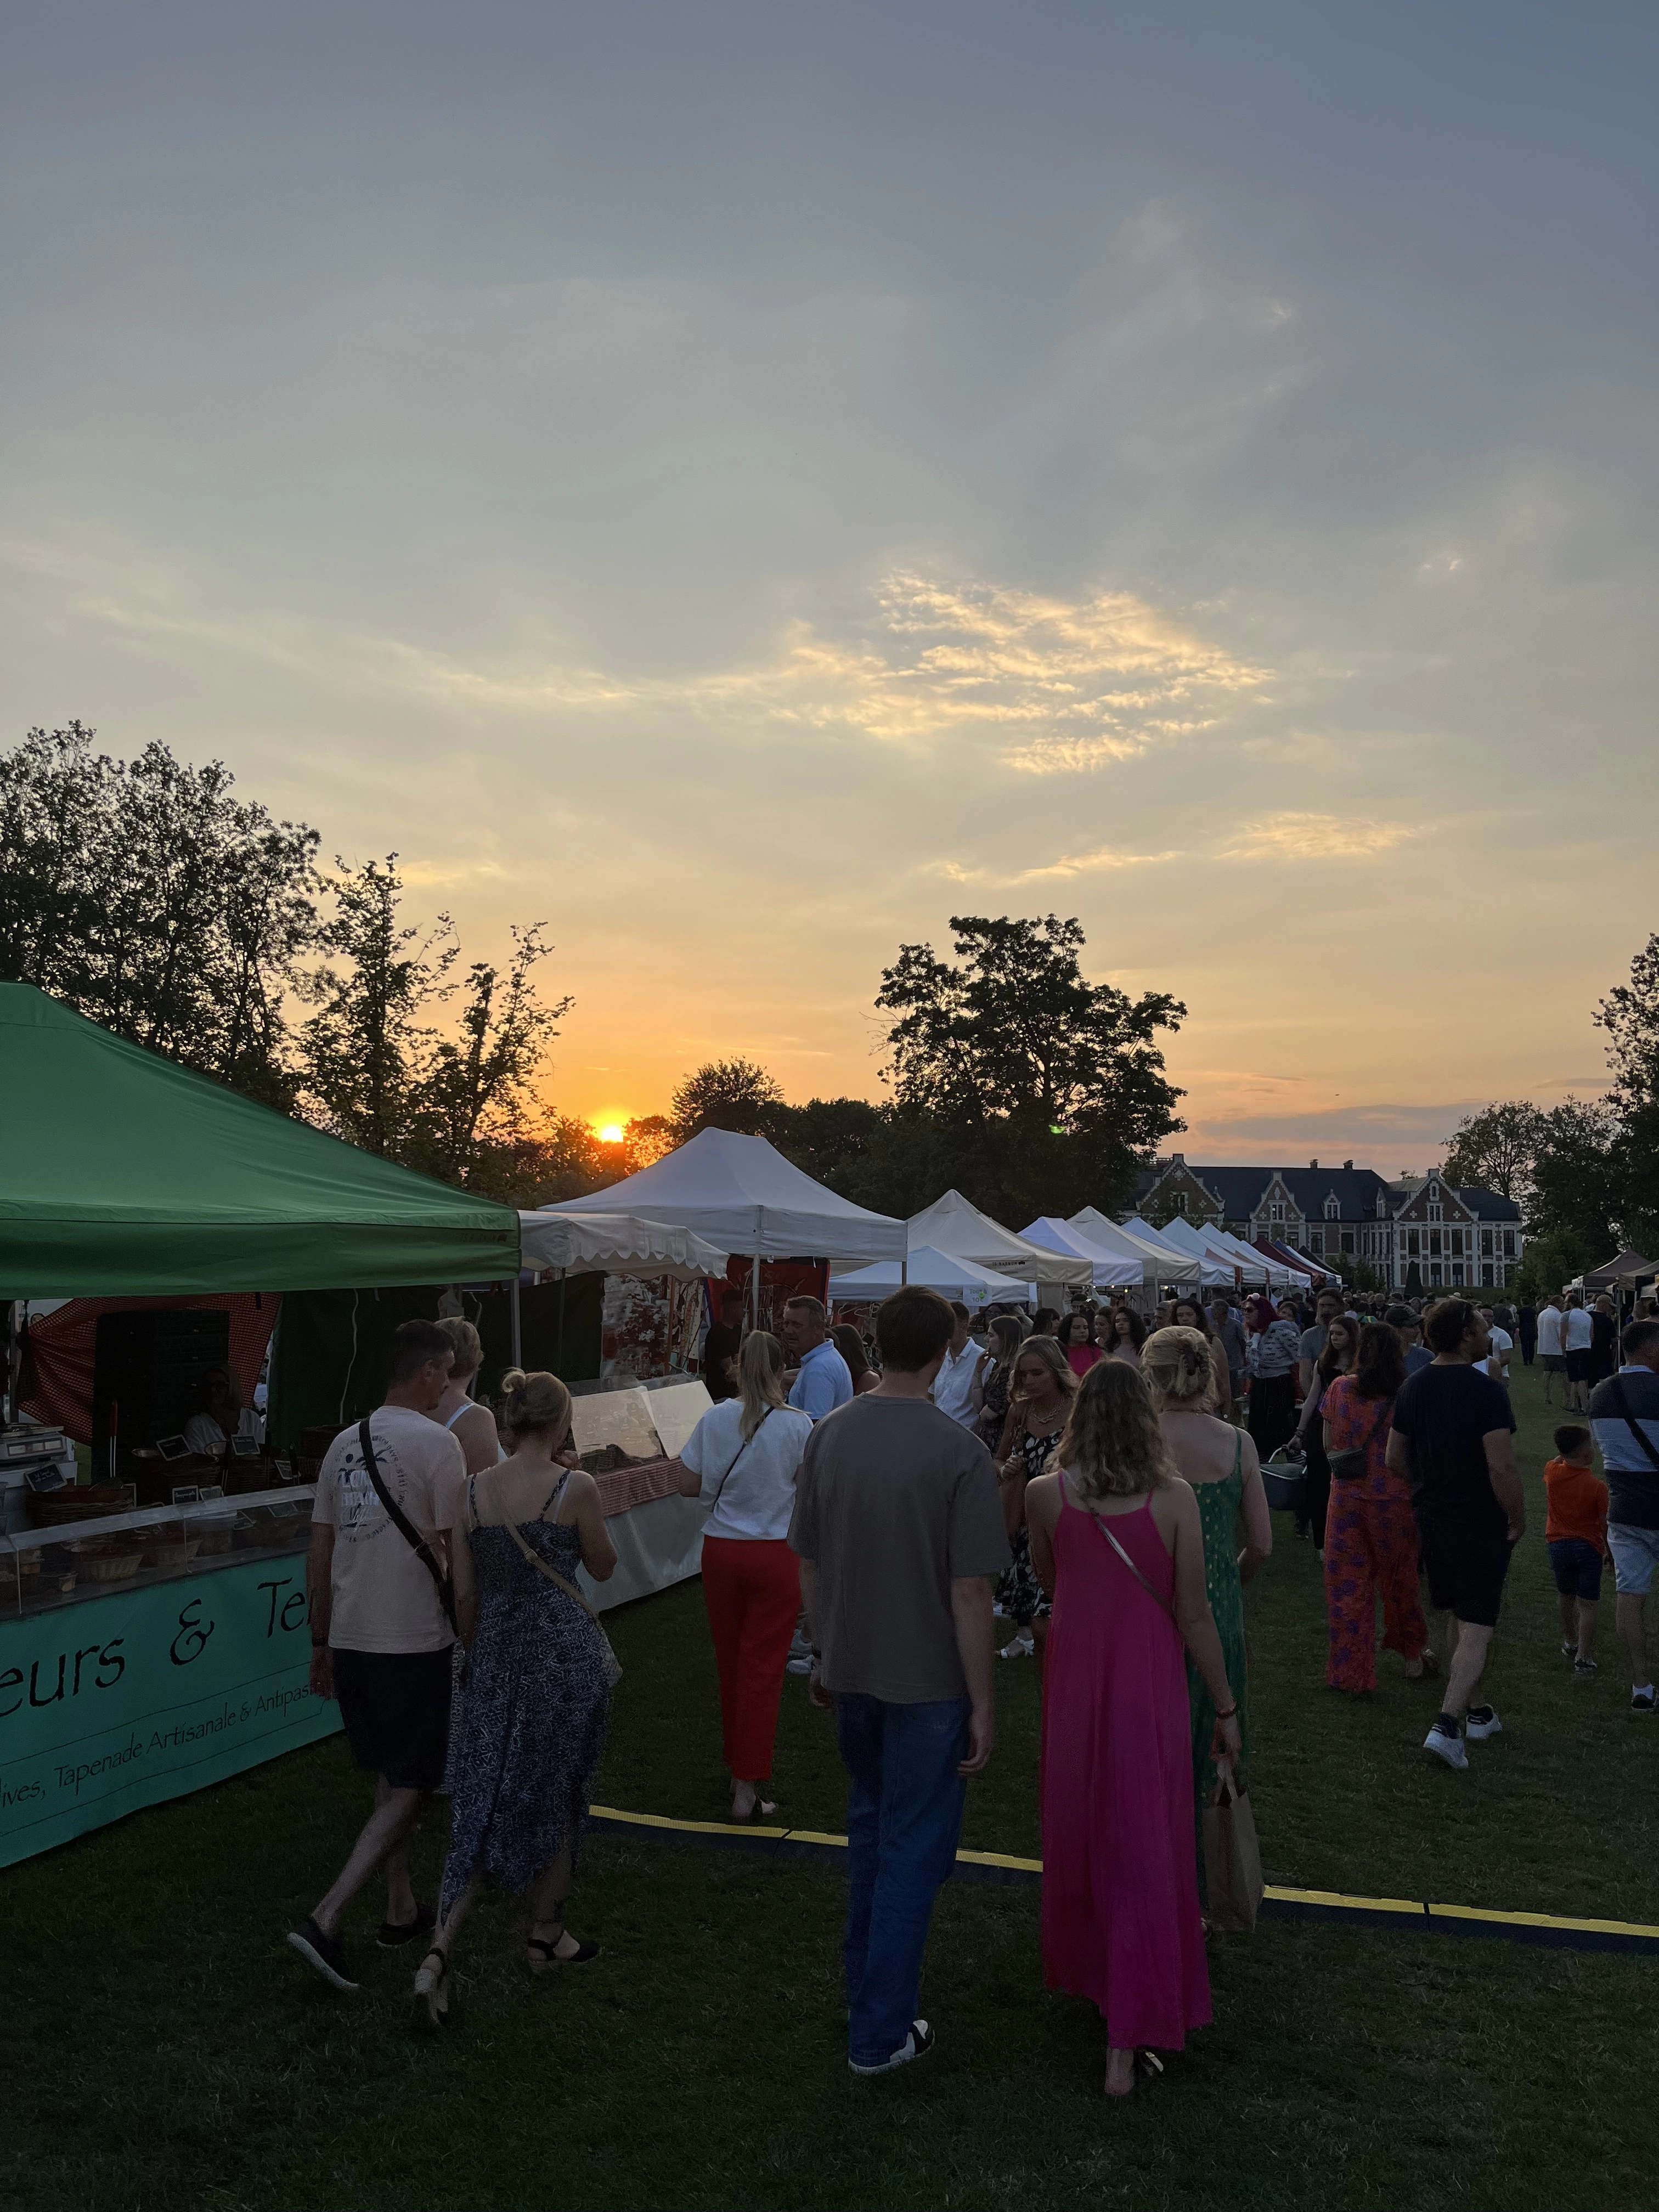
column 899, row 1529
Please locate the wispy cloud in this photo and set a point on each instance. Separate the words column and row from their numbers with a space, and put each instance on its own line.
column 1295, row 836
column 1056, row 684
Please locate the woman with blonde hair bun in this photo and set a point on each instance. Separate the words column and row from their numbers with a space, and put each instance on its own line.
column 741, row 1460
column 1116, row 1538
column 537, row 1686
column 473, row 1426
column 1220, row 1462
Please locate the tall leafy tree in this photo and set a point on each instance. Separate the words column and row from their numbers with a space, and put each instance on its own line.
column 1495, row 1149
column 475, row 1088
column 725, row 1094
column 148, row 896
column 1011, row 1047
column 367, row 1045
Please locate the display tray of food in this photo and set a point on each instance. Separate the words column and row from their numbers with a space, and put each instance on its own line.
column 70, row 1562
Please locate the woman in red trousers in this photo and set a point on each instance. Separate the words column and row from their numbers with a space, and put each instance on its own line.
column 742, row 1459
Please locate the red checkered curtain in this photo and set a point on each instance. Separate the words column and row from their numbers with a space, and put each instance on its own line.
column 55, row 1383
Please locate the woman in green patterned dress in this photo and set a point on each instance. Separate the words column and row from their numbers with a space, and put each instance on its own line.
column 1220, row 1462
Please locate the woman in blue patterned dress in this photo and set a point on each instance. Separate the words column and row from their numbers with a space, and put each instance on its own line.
column 530, row 1725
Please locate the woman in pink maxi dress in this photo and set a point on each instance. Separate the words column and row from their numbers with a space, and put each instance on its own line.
column 1121, row 1922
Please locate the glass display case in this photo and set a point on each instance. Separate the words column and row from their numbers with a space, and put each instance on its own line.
column 84, row 1554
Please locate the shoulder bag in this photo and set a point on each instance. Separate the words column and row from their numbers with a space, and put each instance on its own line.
column 608, row 1658
column 737, row 1458
column 1617, row 1382
column 406, row 1529
column 1349, row 1466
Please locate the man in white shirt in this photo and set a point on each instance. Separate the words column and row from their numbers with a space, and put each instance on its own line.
column 953, row 1386
column 1497, row 1364
column 1578, row 1334
column 1551, row 1323
column 382, row 1623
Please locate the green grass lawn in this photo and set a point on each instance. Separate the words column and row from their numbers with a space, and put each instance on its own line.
column 161, row 2048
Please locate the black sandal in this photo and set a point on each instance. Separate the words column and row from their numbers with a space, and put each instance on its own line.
column 549, row 1956
column 431, row 1997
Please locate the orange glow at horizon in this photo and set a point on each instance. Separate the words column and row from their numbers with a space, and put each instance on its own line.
column 611, row 1132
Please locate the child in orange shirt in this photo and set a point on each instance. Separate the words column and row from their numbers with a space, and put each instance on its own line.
column 1576, row 1532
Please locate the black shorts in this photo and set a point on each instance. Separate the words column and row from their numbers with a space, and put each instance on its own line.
column 1577, row 1566
column 1580, row 1366
column 1466, row 1559
column 395, row 1706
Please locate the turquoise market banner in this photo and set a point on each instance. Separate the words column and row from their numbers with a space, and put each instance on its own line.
column 130, row 1699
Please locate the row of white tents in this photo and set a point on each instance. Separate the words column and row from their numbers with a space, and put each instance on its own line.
column 723, row 1194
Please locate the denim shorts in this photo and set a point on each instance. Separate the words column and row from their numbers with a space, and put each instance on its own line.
column 1635, row 1555
column 1577, row 1566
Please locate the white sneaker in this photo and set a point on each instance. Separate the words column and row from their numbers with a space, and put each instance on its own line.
column 797, row 1666
column 1480, row 1722
column 916, row 2045
column 1446, row 1743
column 1023, row 1647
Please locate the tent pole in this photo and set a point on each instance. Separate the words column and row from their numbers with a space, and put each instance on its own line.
column 754, row 1293
column 518, row 1335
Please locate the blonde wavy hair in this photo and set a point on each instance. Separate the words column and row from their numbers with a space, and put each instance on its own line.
column 760, row 1380
column 1113, row 1446
column 466, row 1343
column 1179, row 1369
column 533, row 1405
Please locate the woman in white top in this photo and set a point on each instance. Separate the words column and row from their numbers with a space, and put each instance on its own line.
column 473, row 1426
column 742, row 1458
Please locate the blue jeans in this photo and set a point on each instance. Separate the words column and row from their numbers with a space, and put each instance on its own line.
column 904, row 1817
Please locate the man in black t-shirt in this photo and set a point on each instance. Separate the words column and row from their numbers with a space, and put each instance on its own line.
column 1453, row 1439
column 722, row 1342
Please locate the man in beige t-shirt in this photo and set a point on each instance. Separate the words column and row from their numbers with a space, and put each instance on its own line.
column 380, row 1634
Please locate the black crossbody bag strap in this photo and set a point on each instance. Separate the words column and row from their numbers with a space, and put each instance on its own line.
column 742, row 1449
column 406, row 1529
column 1631, row 1421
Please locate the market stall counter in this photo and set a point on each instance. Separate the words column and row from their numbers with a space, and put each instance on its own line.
column 630, row 1433
column 148, row 1652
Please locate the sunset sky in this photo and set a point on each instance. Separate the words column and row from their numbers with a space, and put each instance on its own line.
column 743, row 484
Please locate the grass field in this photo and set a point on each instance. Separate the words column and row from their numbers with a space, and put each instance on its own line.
column 162, row 2048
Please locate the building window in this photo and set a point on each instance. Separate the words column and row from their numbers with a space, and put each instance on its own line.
column 1179, row 1201
column 1315, row 1240
column 1347, row 1240
column 1454, row 1241
column 1434, row 1247
column 1332, row 1207
column 1509, row 1243
column 1435, row 1276
column 1485, row 1250
column 1434, row 1213
column 1485, row 1277
column 1276, row 1210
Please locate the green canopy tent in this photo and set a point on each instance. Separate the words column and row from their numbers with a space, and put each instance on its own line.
column 124, row 1173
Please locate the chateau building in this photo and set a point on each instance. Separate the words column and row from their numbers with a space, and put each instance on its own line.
column 1336, row 1216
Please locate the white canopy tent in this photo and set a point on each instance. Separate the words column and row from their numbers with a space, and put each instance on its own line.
column 1108, row 1270
column 1280, row 1273
column 1162, row 1263
column 1237, row 1261
column 616, row 1244
column 951, row 1225
column 742, row 1195
column 947, row 1273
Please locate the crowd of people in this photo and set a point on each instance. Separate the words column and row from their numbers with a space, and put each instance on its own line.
column 876, row 1501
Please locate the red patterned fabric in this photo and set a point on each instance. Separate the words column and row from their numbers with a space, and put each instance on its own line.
column 57, row 1378
column 1370, row 1548
column 625, row 1487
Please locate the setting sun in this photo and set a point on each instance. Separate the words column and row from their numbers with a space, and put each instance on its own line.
column 611, row 1134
